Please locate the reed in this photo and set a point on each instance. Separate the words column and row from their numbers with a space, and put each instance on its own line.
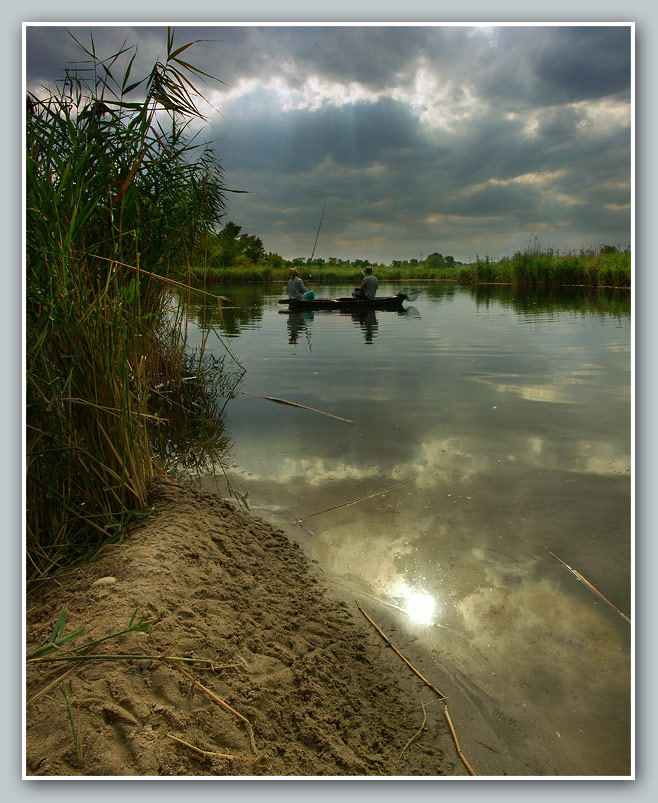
column 115, row 183
column 608, row 267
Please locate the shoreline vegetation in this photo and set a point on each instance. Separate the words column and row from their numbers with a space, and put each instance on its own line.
column 117, row 190
column 607, row 267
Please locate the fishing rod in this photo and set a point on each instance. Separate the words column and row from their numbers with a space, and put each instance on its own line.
column 319, row 227
column 308, row 272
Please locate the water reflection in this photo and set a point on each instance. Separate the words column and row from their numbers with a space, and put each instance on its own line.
column 367, row 320
column 510, row 414
column 419, row 606
column 301, row 321
column 298, row 322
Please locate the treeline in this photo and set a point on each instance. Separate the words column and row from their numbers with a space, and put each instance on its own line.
column 232, row 248
column 234, row 256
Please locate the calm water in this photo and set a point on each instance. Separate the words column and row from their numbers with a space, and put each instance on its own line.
column 489, row 429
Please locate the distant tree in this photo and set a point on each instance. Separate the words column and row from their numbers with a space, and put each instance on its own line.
column 227, row 247
column 609, row 249
column 252, row 247
column 437, row 260
column 275, row 260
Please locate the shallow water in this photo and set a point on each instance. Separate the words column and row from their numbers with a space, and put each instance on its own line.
column 489, row 430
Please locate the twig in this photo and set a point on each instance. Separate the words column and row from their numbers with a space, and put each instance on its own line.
column 429, row 702
column 294, row 404
column 460, row 752
column 493, row 749
column 360, row 499
column 106, row 656
column 399, row 654
column 212, row 753
column 591, row 587
column 221, row 703
column 418, row 732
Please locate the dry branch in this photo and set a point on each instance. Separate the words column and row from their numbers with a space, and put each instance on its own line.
column 399, row 654
column 460, row 752
column 418, row 732
column 213, row 753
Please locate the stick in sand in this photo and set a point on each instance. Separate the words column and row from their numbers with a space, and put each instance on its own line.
column 399, row 654
column 222, row 704
column 442, row 696
column 590, row 586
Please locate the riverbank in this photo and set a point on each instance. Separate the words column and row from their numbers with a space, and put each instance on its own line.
column 322, row 691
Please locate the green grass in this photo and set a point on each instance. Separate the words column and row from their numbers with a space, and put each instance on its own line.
column 539, row 269
column 267, row 274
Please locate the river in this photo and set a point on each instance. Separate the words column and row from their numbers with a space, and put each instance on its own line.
column 488, row 434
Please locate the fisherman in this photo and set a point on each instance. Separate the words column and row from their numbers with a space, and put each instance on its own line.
column 368, row 287
column 297, row 289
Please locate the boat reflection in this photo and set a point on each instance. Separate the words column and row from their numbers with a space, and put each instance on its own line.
column 367, row 320
column 297, row 323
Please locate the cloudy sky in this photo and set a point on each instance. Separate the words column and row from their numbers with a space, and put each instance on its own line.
column 463, row 139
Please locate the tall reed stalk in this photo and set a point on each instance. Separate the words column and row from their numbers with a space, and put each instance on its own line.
column 115, row 184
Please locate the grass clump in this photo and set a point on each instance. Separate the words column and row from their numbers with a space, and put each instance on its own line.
column 116, row 192
column 606, row 266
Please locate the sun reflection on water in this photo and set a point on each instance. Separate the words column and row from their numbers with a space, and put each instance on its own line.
column 419, row 606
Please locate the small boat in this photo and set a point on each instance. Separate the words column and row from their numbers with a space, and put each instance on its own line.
column 347, row 303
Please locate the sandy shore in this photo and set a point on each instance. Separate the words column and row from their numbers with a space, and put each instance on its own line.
column 302, row 684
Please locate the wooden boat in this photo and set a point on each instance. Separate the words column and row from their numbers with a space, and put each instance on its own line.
column 348, row 303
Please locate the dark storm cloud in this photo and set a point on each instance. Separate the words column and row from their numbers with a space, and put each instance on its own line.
column 354, row 135
column 544, row 66
column 584, row 63
column 452, row 136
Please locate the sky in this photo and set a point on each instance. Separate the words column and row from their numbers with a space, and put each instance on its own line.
column 404, row 139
